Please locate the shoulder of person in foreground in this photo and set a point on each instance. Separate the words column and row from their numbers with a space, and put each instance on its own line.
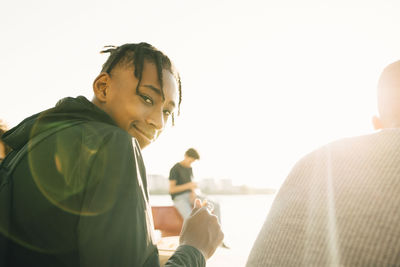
column 335, row 181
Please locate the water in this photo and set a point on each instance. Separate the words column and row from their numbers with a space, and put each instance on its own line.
column 242, row 218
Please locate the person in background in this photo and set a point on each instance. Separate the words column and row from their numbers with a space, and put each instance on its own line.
column 79, row 196
column 184, row 191
column 339, row 206
column 4, row 148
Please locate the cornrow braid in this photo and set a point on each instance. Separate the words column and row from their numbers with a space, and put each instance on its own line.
column 135, row 55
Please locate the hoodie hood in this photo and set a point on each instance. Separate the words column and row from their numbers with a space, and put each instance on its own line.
column 66, row 110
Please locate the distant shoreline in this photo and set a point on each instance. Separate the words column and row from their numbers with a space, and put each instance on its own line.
column 159, row 184
column 247, row 191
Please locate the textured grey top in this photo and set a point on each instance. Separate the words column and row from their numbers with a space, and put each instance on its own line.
column 339, row 206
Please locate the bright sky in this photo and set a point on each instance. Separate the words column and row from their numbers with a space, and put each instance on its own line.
column 264, row 82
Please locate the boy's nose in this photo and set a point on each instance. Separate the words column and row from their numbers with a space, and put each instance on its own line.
column 156, row 119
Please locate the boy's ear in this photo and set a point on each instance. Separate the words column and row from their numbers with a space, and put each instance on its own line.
column 377, row 123
column 101, row 86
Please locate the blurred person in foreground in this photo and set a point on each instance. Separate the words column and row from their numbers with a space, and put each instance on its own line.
column 339, row 206
column 79, row 196
column 4, row 149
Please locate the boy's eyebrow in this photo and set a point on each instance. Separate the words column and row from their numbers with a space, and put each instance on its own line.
column 157, row 91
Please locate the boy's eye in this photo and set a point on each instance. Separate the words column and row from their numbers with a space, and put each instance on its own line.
column 167, row 112
column 147, row 99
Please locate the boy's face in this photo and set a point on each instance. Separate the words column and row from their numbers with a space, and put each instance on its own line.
column 144, row 114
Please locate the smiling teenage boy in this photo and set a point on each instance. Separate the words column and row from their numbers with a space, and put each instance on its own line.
column 78, row 191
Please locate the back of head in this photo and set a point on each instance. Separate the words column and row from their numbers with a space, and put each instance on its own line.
column 191, row 152
column 389, row 95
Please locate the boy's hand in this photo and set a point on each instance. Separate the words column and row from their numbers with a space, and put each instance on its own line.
column 202, row 230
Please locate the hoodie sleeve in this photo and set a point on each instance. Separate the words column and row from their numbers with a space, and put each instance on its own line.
column 115, row 228
column 186, row 256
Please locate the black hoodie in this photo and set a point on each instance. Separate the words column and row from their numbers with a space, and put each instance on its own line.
column 79, row 197
column 67, row 109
